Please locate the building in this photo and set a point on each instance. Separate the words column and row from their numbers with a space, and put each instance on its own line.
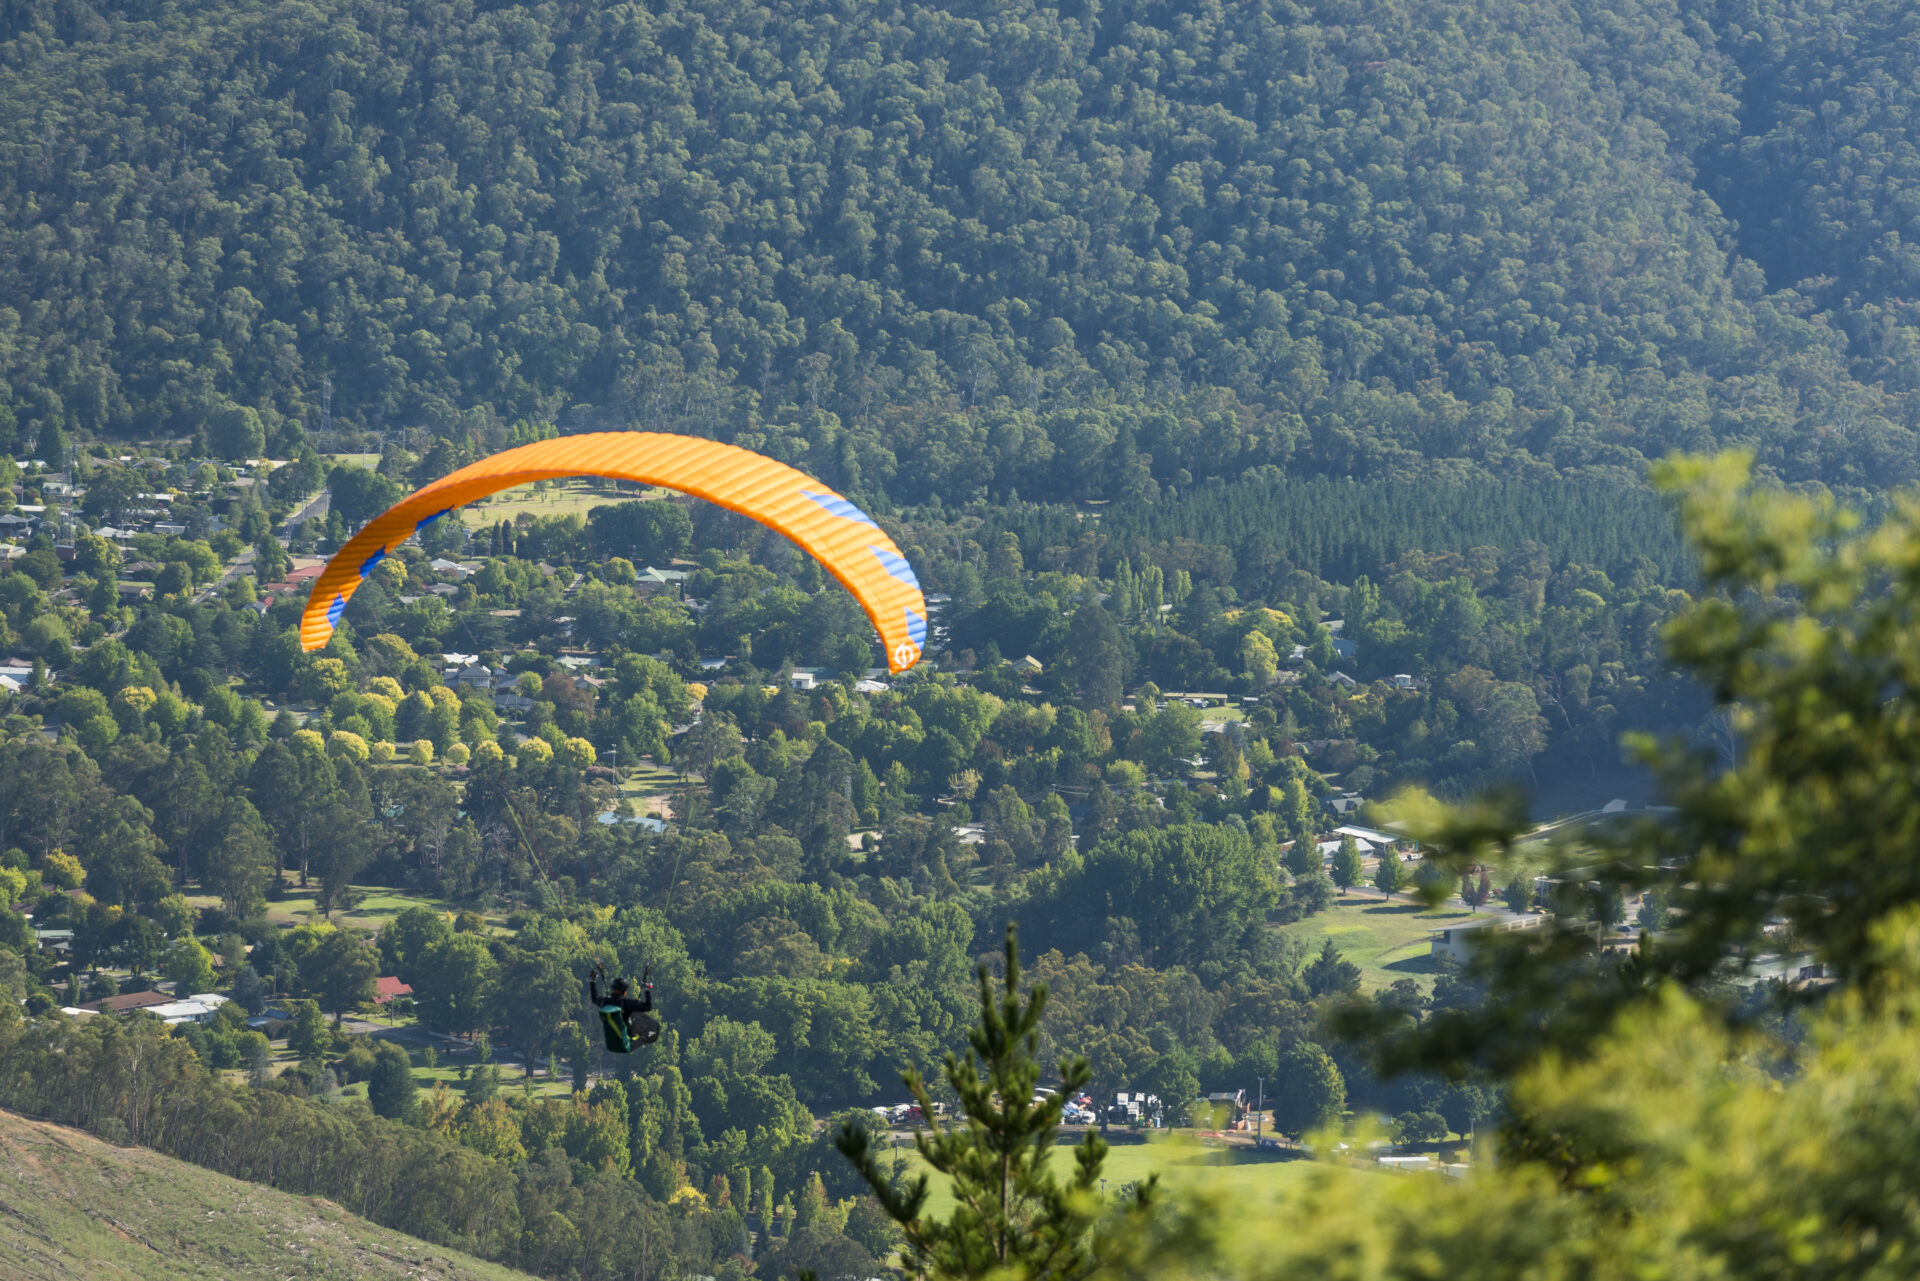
column 1367, row 837
column 387, row 987
column 475, row 676
column 1233, row 1102
column 127, row 1001
column 1454, row 945
column 273, row 1021
column 652, row 581
column 197, row 1008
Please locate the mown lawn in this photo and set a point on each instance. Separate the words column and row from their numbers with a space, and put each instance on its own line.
column 1388, row 941
column 644, row 782
column 565, row 499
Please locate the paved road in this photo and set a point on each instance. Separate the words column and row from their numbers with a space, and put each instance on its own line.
column 315, row 509
column 242, row 564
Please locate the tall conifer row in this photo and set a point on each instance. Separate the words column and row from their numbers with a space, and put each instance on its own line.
column 1012, row 1217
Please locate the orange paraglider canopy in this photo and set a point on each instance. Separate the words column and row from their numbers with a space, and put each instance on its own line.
column 838, row 534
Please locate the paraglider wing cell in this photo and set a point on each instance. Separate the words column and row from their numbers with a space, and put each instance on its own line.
column 838, row 534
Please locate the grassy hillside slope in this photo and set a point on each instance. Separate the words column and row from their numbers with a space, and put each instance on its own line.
column 73, row 1206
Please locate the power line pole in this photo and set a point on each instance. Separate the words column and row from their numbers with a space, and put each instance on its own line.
column 1260, row 1109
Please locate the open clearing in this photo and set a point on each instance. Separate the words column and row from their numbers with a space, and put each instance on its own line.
column 451, row 1064
column 564, row 498
column 376, row 906
column 77, row 1209
column 1388, row 941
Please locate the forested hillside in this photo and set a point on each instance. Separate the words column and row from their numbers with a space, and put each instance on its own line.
column 957, row 250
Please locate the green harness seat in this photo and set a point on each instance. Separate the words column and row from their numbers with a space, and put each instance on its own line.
column 624, row 1031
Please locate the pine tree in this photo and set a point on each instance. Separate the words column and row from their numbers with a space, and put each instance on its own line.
column 1390, row 877
column 310, row 1037
column 1011, row 1216
column 1330, row 972
column 1303, row 856
column 1348, row 870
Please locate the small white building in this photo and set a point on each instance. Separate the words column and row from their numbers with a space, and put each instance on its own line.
column 1367, row 836
column 1405, row 1163
column 197, row 1008
column 1454, row 944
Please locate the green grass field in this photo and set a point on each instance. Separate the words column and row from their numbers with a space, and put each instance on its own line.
column 1180, row 1160
column 376, row 907
column 513, row 1081
column 1388, row 941
column 76, row 1208
column 647, row 780
column 567, row 498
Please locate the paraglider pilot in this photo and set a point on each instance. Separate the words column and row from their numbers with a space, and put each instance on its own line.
column 625, row 1021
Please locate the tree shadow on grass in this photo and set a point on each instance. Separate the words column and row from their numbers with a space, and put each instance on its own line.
column 1217, row 1157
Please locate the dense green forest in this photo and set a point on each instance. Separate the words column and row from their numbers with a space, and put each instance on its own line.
column 959, row 250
